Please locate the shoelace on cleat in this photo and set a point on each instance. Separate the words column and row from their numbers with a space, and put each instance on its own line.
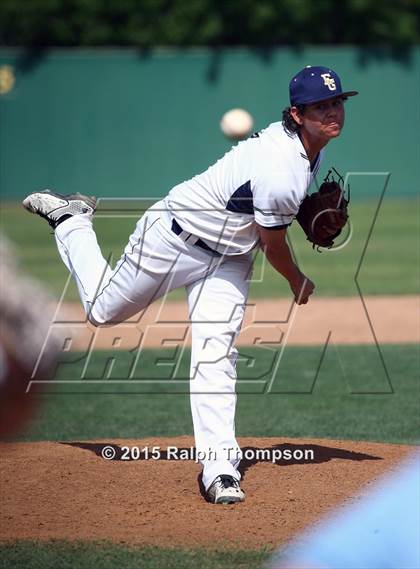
column 228, row 482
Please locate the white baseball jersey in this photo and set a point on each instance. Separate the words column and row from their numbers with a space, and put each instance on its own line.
column 260, row 180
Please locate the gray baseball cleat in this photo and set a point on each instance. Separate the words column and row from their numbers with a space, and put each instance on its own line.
column 225, row 490
column 56, row 208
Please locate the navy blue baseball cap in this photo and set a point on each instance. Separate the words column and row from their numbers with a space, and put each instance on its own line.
column 314, row 84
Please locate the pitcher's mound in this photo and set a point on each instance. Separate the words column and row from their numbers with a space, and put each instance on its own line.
column 68, row 491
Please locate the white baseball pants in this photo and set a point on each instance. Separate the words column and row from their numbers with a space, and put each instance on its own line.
column 154, row 262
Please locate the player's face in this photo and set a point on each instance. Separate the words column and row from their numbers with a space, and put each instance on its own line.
column 324, row 120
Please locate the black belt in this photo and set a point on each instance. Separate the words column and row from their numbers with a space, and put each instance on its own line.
column 177, row 229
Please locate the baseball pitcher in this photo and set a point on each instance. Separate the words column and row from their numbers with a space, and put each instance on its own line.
column 201, row 237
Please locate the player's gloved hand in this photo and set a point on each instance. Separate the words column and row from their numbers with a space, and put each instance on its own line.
column 323, row 214
column 302, row 288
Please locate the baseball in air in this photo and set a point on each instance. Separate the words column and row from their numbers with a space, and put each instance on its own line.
column 236, row 124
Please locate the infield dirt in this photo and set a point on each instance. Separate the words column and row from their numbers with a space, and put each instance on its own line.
column 385, row 319
column 68, row 491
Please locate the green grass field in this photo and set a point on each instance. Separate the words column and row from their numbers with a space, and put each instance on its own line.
column 61, row 555
column 326, row 408
column 350, row 398
column 388, row 267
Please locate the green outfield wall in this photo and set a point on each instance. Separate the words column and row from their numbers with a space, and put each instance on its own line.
column 121, row 123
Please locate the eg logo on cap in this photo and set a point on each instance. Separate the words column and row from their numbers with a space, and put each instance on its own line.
column 313, row 84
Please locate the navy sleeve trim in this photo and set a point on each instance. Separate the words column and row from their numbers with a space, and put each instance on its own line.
column 276, row 226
